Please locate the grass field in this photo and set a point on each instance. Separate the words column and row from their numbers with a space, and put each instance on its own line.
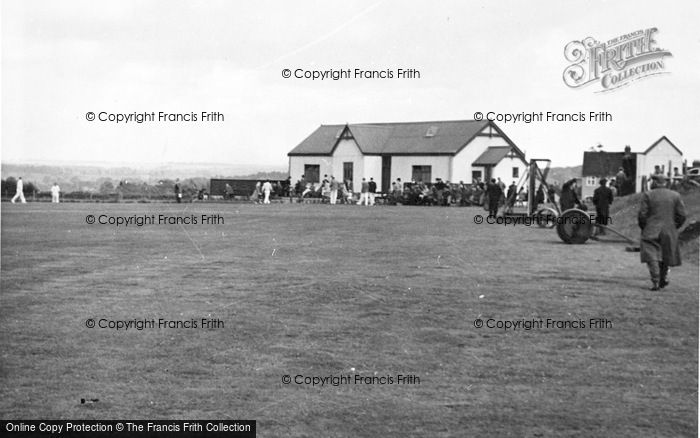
column 316, row 290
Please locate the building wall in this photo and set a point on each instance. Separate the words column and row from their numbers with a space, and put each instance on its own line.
column 660, row 155
column 372, row 169
column 348, row 151
column 504, row 170
column 449, row 168
column 402, row 166
column 589, row 184
column 296, row 165
column 462, row 162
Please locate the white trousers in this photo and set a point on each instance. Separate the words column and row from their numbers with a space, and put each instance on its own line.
column 19, row 195
column 364, row 197
column 267, row 197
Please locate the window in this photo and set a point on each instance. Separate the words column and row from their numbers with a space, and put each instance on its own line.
column 422, row 173
column 476, row 175
column 348, row 171
column 312, row 172
column 516, row 172
column 591, row 181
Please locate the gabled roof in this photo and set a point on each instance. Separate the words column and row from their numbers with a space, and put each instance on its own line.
column 492, row 156
column 602, row 163
column 663, row 137
column 320, row 142
column 412, row 138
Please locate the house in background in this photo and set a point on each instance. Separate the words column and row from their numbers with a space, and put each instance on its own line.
column 454, row 151
column 638, row 166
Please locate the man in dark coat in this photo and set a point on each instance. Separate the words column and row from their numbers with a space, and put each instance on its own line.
column 620, row 178
column 439, row 190
column 568, row 198
column 661, row 213
column 494, row 193
column 178, row 192
column 602, row 198
column 511, row 197
column 539, row 195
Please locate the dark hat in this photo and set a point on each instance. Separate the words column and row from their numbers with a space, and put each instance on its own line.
column 603, row 181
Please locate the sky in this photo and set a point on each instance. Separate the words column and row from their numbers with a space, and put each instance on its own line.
column 64, row 59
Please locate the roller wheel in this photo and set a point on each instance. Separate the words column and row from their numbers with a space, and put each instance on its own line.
column 574, row 226
column 547, row 217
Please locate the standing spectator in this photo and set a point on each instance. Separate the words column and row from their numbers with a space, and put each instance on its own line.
column 334, row 190
column 539, row 195
column 620, row 177
column 364, row 194
column 449, row 195
column 301, row 186
column 228, row 191
column 502, row 185
column 466, row 194
column 342, row 193
column 494, row 193
column 255, row 196
column 267, row 188
column 552, row 195
column 55, row 191
column 602, row 198
column 372, row 190
column 568, row 198
column 661, row 213
column 522, row 197
column 511, row 197
column 439, row 191
column 178, row 192
column 349, row 194
column 399, row 188
column 19, row 192
column 326, row 188
column 288, row 188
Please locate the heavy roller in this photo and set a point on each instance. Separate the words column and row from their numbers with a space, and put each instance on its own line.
column 575, row 226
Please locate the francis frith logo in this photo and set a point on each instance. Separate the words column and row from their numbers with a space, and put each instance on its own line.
column 616, row 62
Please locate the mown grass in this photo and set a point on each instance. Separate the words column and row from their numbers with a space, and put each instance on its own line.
column 317, row 290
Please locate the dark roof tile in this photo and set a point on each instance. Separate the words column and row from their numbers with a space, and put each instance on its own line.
column 437, row 137
column 492, row 156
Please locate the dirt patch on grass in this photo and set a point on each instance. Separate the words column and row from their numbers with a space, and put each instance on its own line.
column 624, row 212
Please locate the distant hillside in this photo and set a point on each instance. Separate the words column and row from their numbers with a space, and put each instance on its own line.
column 88, row 177
column 563, row 174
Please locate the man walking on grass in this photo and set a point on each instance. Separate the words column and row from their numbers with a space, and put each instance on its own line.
column 20, row 192
column 267, row 189
column 661, row 214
